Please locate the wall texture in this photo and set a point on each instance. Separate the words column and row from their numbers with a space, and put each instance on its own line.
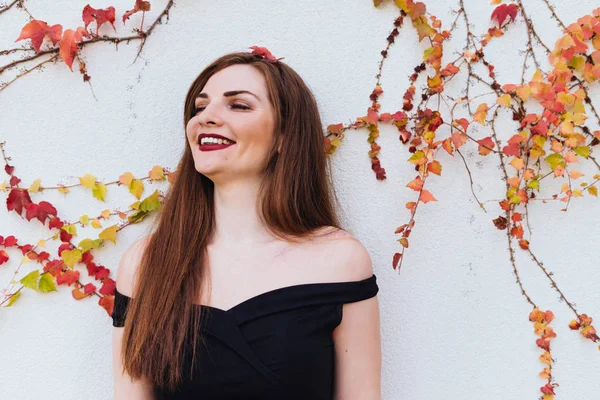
column 454, row 324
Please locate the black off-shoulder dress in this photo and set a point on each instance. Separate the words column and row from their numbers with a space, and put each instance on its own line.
column 277, row 345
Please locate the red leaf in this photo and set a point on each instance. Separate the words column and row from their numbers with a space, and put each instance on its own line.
column 69, row 277
column 107, row 302
column 9, row 169
column 40, row 211
column 263, row 52
column 547, row 389
column 140, row 5
column 68, row 46
column 108, row 287
column 101, row 273
column 17, row 200
column 504, row 14
column 89, row 288
column 36, row 30
column 10, row 241
column 14, row 181
column 396, row 260
column 3, row 257
column 101, row 16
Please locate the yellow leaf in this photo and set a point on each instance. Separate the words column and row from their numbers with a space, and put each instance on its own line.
column 577, row 193
column 71, row 257
column 574, row 174
column 481, row 113
column 88, row 180
column 63, row 189
column 136, row 188
column 504, row 100
column 126, row 178
column 96, row 223
column 84, row 219
column 517, row 163
column 99, row 191
column 105, row 214
column 42, row 243
column 25, row 259
column 593, row 190
column 35, row 186
column 3, row 188
column 109, row 233
column 157, row 173
column 523, row 92
column 70, row 228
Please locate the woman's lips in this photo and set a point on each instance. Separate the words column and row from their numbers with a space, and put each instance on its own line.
column 212, row 146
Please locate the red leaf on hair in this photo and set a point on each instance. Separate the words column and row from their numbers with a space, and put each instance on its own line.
column 37, row 30
column 264, row 52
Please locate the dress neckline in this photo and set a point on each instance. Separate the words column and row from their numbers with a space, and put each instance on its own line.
column 273, row 292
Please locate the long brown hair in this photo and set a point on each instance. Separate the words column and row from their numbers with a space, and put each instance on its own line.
column 296, row 198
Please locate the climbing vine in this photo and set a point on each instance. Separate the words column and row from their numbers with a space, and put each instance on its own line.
column 435, row 126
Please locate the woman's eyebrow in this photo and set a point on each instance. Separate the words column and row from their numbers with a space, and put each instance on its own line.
column 229, row 94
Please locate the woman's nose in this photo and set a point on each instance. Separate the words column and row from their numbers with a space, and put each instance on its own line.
column 209, row 116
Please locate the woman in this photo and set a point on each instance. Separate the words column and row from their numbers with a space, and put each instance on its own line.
column 247, row 288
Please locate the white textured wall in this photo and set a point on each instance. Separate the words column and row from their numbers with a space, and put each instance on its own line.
column 454, row 323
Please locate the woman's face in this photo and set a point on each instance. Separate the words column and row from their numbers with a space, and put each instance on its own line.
column 245, row 118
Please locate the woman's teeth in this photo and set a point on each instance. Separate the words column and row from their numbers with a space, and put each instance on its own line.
column 214, row 141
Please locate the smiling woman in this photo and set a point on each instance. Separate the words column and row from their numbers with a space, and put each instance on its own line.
column 248, row 288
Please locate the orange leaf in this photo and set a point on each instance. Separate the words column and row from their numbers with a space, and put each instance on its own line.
column 140, row 5
column 426, row 196
column 517, row 163
column 416, row 184
column 481, row 113
column 485, row 145
column 36, row 30
column 68, row 46
column 435, row 167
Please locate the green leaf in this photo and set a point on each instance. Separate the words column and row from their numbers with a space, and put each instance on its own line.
column 87, row 244
column 30, row 280
column 13, row 298
column 534, row 184
column 99, row 191
column 583, row 151
column 555, row 159
column 71, row 257
column 136, row 188
column 151, row 202
column 47, row 284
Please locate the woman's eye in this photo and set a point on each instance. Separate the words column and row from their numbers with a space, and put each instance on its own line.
column 234, row 105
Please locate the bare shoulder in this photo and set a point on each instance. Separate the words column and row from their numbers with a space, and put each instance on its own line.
column 128, row 265
column 351, row 259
